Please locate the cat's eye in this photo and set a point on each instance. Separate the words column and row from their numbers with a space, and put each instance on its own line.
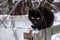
column 38, row 18
column 32, row 17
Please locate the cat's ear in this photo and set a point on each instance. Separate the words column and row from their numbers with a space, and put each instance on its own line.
column 29, row 11
column 29, row 14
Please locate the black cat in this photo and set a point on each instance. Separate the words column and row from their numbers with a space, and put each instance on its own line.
column 41, row 18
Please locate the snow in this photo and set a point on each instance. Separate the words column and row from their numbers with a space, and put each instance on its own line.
column 55, row 36
column 56, row 1
column 57, row 19
column 56, row 22
column 21, row 25
column 6, row 34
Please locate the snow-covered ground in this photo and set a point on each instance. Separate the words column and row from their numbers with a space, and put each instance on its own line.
column 57, row 19
column 57, row 22
column 21, row 25
column 56, row 37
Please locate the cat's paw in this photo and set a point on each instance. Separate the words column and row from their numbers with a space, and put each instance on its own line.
column 33, row 27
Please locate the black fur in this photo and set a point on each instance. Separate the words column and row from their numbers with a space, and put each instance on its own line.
column 41, row 18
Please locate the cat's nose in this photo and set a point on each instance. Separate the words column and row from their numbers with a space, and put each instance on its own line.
column 35, row 23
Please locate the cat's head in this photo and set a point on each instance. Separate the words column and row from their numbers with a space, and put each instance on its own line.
column 35, row 17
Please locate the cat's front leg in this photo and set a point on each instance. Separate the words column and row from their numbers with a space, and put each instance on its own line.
column 33, row 27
